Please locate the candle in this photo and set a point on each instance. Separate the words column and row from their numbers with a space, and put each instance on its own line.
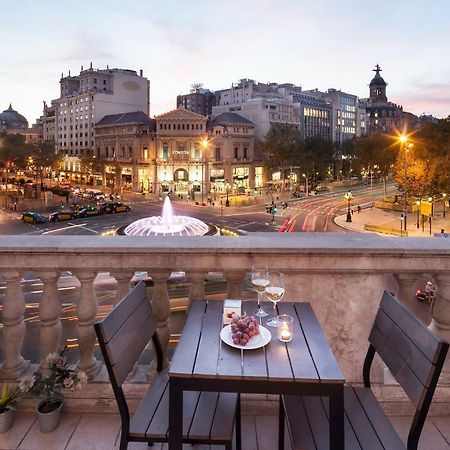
column 285, row 328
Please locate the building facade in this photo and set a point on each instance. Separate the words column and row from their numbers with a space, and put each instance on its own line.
column 344, row 113
column 384, row 116
column 178, row 152
column 126, row 144
column 199, row 101
column 84, row 100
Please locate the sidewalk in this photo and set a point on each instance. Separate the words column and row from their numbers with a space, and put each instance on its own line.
column 391, row 219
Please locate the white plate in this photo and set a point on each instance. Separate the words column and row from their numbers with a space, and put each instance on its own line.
column 258, row 341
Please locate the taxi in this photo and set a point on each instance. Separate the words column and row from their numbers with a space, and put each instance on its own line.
column 90, row 210
column 62, row 215
column 114, row 207
column 33, row 217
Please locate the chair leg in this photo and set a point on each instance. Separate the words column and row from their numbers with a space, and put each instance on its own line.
column 123, row 441
column 281, row 420
column 238, row 424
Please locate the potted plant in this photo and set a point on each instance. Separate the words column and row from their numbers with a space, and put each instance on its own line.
column 8, row 400
column 48, row 386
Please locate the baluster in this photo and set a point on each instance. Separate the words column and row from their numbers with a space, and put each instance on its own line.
column 440, row 313
column 407, row 292
column 234, row 280
column 87, row 308
column 13, row 327
column 49, row 312
column 197, row 288
column 161, row 309
column 123, row 285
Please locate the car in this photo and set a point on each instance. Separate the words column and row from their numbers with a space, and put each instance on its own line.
column 33, row 217
column 113, row 207
column 297, row 194
column 90, row 210
column 322, row 189
column 62, row 215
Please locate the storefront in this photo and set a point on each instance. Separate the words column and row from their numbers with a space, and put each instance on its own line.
column 127, row 178
column 181, row 180
column 240, row 179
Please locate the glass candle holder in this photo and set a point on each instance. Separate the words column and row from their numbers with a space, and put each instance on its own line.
column 285, row 327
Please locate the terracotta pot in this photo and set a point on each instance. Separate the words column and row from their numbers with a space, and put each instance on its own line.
column 49, row 414
column 6, row 419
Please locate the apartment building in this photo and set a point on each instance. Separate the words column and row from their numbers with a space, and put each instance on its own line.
column 84, row 100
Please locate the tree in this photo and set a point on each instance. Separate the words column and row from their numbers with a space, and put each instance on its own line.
column 316, row 158
column 92, row 165
column 283, row 146
column 13, row 151
column 43, row 157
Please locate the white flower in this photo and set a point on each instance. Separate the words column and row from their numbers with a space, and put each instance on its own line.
column 26, row 383
column 68, row 382
column 82, row 377
column 53, row 359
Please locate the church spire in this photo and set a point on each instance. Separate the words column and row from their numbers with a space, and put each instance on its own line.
column 377, row 69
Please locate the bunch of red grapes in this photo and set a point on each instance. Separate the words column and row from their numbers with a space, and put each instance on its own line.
column 243, row 329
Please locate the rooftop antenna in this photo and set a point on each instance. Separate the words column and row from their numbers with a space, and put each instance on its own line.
column 90, row 66
column 81, row 67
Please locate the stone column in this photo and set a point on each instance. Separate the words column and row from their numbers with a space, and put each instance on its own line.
column 161, row 309
column 87, row 311
column 197, row 288
column 123, row 284
column 440, row 313
column 234, row 280
column 407, row 293
column 49, row 313
column 13, row 327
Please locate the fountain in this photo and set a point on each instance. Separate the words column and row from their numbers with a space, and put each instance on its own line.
column 168, row 224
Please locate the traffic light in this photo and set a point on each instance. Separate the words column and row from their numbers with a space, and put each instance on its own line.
column 268, row 209
column 274, row 209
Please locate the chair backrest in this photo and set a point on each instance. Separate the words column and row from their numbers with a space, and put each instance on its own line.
column 125, row 332
column 413, row 354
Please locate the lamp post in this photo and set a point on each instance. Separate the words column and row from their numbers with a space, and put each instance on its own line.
column 403, row 140
column 348, row 196
column 204, row 143
column 418, row 208
column 443, row 201
column 227, row 201
column 306, row 183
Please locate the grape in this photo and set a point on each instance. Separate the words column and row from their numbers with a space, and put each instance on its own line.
column 243, row 329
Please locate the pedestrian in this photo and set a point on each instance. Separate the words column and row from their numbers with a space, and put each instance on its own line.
column 359, row 208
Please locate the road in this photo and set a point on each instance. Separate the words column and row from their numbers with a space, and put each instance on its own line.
column 311, row 214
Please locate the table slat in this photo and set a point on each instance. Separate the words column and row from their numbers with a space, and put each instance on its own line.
column 301, row 361
column 324, row 360
column 208, row 349
column 184, row 356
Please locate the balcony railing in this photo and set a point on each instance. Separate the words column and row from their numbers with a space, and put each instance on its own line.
column 342, row 275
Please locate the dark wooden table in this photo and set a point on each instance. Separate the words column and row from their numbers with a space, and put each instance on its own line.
column 304, row 366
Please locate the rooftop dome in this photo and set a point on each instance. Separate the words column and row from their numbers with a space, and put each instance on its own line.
column 12, row 120
column 378, row 79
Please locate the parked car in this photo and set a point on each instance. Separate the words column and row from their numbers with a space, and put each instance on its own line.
column 113, row 207
column 90, row 210
column 297, row 194
column 322, row 189
column 33, row 217
column 62, row 215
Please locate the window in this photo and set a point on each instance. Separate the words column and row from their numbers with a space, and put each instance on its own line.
column 165, row 151
column 245, row 152
column 236, row 153
column 217, row 154
column 145, row 153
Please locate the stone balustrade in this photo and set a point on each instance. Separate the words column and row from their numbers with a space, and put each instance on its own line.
column 342, row 275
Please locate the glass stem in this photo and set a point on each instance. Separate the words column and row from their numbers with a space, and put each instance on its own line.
column 259, row 301
column 274, row 310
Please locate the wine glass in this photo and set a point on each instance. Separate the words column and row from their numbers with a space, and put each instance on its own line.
column 259, row 281
column 274, row 292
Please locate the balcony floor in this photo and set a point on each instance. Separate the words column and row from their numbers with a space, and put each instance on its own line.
column 102, row 431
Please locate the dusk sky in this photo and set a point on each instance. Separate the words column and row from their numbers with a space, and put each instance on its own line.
column 313, row 43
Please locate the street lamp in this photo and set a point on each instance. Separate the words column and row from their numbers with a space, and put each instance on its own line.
column 403, row 139
column 227, row 201
column 306, row 183
column 443, row 200
column 349, row 197
column 204, row 143
column 418, row 208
